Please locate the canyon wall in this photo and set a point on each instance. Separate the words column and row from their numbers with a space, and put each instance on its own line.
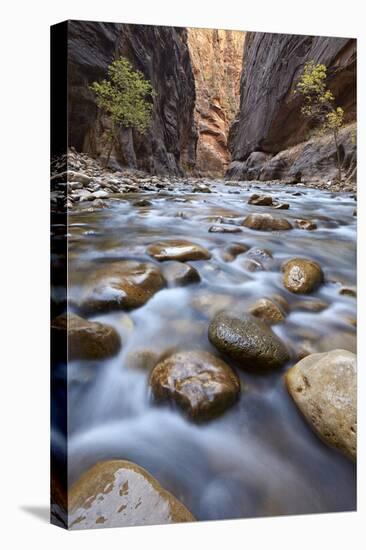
column 162, row 54
column 269, row 121
column 217, row 62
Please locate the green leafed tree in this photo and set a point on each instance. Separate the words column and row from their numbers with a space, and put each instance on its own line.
column 319, row 104
column 126, row 98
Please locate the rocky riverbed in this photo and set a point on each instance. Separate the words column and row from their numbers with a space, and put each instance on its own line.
column 212, row 340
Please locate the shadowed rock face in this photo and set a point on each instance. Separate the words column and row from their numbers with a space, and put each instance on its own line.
column 161, row 53
column 269, row 118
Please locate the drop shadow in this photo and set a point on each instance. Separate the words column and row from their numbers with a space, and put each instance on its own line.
column 40, row 512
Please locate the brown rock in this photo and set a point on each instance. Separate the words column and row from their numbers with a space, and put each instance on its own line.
column 266, row 222
column 260, row 254
column 177, row 250
column 348, row 291
column 253, row 265
column 198, row 382
column 247, row 340
column 180, row 274
column 324, row 387
column 224, row 229
column 267, row 310
column 120, row 285
column 310, row 305
column 233, row 250
column 281, row 206
column 260, row 200
column 306, row 224
column 86, row 339
column 302, row 276
column 118, row 493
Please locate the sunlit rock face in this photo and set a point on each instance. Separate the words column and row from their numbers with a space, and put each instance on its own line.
column 161, row 54
column 217, row 61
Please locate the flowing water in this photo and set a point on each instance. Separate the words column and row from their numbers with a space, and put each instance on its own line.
column 259, row 458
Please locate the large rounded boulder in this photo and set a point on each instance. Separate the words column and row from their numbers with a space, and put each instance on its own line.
column 197, row 381
column 85, row 339
column 247, row 340
column 177, row 250
column 118, row 493
column 120, row 285
column 324, row 387
column 266, row 222
column 302, row 276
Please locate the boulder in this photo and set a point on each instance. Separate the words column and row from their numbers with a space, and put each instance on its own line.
column 177, row 250
column 118, row 493
column 260, row 200
column 306, row 224
column 348, row 291
column 120, row 285
column 233, row 250
column 180, row 274
column 85, row 339
column 247, row 340
column 266, row 222
column 224, row 229
column 250, row 264
column 197, row 381
column 267, row 310
column 324, row 387
column 302, row 276
column 281, row 206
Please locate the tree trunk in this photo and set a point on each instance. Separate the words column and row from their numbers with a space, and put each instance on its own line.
column 339, row 163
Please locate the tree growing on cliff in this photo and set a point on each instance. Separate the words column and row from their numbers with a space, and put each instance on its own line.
column 126, row 98
column 318, row 104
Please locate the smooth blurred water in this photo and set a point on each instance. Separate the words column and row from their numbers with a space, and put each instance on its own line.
column 259, row 458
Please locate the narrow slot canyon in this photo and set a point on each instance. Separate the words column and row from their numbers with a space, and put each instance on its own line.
column 217, row 57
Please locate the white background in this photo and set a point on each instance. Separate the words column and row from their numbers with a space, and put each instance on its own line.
column 24, row 307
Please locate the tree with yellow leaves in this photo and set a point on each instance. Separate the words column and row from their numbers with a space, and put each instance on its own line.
column 319, row 103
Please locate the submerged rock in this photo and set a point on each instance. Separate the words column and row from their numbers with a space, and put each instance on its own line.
column 302, row 276
column 120, row 285
column 118, row 493
column 209, row 303
column 306, row 224
column 348, row 291
column 142, row 359
column 266, row 222
column 324, row 387
column 267, row 310
column 177, row 250
column 197, row 381
column 86, row 339
column 247, row 340
column 310, row 305
column 233, row 250
column 180, row 274
column 224, row 229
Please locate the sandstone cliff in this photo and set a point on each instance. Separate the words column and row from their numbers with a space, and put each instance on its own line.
column 217, row 61
column 161, row 53
column 269, row 119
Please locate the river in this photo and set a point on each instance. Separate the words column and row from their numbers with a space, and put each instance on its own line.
column 260, row 458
